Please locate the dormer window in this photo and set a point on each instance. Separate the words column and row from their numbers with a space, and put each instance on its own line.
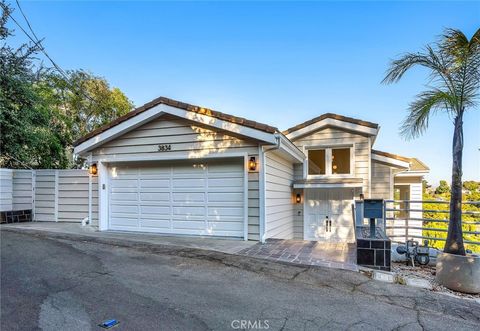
column 331, row 161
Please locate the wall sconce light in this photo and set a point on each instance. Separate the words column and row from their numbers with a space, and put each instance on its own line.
column 252, row 164
column 92, row 169
column 298, row 198
column 362, row 196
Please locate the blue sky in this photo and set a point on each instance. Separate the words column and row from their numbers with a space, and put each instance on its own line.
column 277, row 63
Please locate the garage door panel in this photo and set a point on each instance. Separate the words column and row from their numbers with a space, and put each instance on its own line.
column 188, row 182
column 155, row 172
column 155, row 224
column 225, row 182
column 225, row 211
column 202, row 198
column 155, row 196
column 226, row 226
column 222, row 167
column 162, row 183
column 189, row 210
column 125, row 183
column 128, row 209
column 123, row 221
column 120, row 196
column 124, row 190
column 155, row 210
column 225, row 197
column 189, row 225
column 188, row 197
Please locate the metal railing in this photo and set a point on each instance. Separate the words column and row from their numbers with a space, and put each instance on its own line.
column 406, row 219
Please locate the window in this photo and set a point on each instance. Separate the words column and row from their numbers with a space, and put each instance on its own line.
column 316, row 162
column 340, row 161
column 329, row 161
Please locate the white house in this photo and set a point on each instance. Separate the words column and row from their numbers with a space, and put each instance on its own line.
column 170, row 167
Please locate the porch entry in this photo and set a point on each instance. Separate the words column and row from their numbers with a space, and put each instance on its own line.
column 329, row 215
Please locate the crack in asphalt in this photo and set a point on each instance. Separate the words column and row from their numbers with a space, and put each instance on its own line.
column 280, row 271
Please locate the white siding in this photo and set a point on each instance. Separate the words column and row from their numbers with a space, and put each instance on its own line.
column 187, row 140
column 279, row 207
column 382, row 185
column 22, row 189
column 6, row 189
column 73, row 196
column 253, row 206
column 45, row 195
column 64, row 193
column 335, row 136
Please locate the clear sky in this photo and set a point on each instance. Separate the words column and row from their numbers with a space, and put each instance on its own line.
column 278, row 63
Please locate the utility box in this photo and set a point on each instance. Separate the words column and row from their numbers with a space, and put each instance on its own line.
column 373, row 208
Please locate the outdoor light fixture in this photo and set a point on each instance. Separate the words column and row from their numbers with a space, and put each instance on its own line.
column 252, row 164
column 362, row 196
column 93, row 169
column 298, row 198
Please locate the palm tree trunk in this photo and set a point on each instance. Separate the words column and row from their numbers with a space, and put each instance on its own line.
column 454, row 243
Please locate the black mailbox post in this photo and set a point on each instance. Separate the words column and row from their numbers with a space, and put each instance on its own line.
column 373, row 209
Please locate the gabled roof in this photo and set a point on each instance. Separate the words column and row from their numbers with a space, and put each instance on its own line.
column 333, row 120
column 417, row 165
column 390, row 155
column 414, row 164
column 332, row 116
column 180, row 105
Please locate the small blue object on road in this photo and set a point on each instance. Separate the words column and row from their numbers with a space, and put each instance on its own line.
column 108, row 324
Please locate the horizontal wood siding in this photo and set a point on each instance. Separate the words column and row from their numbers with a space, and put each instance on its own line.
column 22, row 189
column 6, row 189
column 56, row 192
column 187, row 141
column 45, row 195
column 298, row 221
column 334, row 136
column 253, row 206
column 279, row 206
column 73, row 196
column 382, row 186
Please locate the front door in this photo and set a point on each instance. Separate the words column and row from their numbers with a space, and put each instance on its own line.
column 329, row 215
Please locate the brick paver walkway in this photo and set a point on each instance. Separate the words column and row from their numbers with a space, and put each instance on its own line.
column 333, row 255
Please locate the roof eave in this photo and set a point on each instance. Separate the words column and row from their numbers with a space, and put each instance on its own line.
column 333, row 122
column 156, row 111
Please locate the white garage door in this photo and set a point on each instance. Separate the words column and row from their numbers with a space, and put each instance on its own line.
column 201, row 198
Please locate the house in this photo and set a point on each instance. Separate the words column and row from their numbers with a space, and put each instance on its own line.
column 174, row 168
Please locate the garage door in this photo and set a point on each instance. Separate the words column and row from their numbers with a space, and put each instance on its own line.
column 201, row 198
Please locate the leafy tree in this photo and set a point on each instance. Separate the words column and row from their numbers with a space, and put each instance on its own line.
column 42, row 111
column 29, row 133
column 442, row 188
column 454, row 66
column 471, row 186
column 85, row 102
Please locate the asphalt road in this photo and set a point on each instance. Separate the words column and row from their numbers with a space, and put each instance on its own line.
column 71, row 284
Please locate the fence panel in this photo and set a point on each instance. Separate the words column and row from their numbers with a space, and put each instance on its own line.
column 6, row 189
column 23, row 189
column 410, row 219
column 45, row 195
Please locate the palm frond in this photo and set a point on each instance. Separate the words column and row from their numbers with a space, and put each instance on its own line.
column 420, row 110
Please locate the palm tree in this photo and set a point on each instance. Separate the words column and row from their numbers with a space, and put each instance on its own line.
column 453, row 88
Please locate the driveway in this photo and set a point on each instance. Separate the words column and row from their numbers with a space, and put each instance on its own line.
column 62, row 283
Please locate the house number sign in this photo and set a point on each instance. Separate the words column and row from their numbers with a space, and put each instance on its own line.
column 164, row 148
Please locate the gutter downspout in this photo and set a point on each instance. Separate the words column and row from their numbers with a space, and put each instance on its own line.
column 262, row 184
